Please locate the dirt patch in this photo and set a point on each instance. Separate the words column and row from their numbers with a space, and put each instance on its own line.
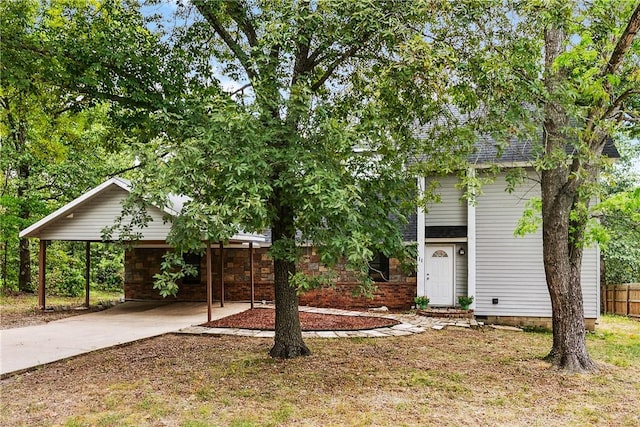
column 39, row 317
column 18, row 309
column 450, row 377
column 264, row 319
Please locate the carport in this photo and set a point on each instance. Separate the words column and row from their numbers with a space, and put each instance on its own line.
column 85, row 218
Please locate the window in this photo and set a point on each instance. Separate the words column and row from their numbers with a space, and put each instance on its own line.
column 439, row 254
column 192, row 259
column 379, row 268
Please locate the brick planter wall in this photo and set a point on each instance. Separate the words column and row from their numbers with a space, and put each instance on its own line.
column 141, row 264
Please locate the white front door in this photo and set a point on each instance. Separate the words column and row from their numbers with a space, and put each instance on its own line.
column 439, row 274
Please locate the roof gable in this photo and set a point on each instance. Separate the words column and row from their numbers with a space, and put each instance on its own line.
column 84, row 218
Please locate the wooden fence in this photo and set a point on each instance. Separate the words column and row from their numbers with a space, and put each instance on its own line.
column 621, row 299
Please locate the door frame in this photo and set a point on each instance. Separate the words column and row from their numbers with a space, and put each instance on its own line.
column 451, row 246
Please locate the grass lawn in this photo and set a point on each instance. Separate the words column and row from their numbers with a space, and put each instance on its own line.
column 450, row 377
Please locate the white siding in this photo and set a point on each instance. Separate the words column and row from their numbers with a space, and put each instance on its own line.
column 90, row 218
column 590, row 278
column 511, row 268
column 461, row 271
column 452, row 210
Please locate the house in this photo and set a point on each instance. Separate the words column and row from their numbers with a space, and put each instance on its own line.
column 463, row 249
column 470, row 248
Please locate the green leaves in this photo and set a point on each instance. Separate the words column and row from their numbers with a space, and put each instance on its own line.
column 531, row 219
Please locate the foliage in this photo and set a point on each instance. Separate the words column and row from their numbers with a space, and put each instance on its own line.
column 531, row 219
column 421, row 302
column 465, row 301
column 65, row 269
column 56, row 141
column 107, row 267
column 621, row 221
column 324, row 128
column 618, row 215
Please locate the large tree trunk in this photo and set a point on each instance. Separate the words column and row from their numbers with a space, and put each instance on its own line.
column 24, row 276
column 562, row 234
column 562, row 261
column 288, row 334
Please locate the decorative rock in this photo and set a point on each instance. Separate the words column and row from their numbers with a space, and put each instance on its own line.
column 382, row 309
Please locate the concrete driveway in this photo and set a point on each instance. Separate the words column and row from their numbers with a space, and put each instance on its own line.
column 23, row 348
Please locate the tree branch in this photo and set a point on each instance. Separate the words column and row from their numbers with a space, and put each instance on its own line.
column 239, row 89
column 121, row 99
column 239, row 14
column 134, row 167
column 335, row 64
column 243, row 57
column 611, row 111
column 624, row 43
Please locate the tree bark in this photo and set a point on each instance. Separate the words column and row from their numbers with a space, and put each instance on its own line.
column 288, row 341
column 562, row 251
column 24, row 272
column 563, row 261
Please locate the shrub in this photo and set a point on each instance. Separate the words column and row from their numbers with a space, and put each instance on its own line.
column 109, row 274
column 421, row 302
column 465, row 302
column 67, row 282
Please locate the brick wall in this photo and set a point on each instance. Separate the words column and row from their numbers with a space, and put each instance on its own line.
column 141, row 264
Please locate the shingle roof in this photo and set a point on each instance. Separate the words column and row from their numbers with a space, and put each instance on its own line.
column 521, row 151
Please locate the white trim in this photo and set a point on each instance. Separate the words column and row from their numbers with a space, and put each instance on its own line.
column 471, row 246
column 519, row 164
column 421, row 220
column 446, row 239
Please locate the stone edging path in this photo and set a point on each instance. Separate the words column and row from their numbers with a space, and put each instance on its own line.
column 409, row 324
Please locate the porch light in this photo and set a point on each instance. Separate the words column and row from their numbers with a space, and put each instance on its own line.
column 461, row 251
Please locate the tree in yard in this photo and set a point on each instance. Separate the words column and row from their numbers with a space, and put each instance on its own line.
column 591, row 89
column 278, row 152
column 313, row 139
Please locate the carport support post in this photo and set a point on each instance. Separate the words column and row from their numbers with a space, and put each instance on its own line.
column 251, row 271
column 42, row 269
column 209, row 282
column 87, row 273
column 221, row 274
